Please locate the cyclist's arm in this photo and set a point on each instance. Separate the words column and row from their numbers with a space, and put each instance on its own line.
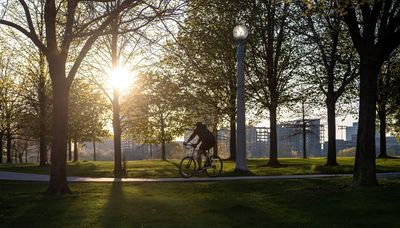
column 198, row 141
column 192, row 136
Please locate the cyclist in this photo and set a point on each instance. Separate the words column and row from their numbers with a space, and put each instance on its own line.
column 206, row 138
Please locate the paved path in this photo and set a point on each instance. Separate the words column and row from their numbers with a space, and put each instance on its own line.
column 45, row 178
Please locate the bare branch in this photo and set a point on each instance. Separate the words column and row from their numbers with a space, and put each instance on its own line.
column 31, row 36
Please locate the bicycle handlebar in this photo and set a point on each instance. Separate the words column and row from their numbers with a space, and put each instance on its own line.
column 188, row 145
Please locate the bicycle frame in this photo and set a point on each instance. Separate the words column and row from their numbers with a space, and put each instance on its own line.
column 189, row 163
column 188, row 146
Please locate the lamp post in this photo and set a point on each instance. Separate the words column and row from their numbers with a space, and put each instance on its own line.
column 240, row 33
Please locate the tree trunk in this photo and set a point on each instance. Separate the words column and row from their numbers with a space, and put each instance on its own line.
column 232, row 139
column 14, row 157
column 117, row 135
column 116, row 105
column 26, row 151
column 75, row 150
column 215, row 131
column 304, row 130
column 151, row 151
column 58, row 168
column 273, row 153
column 20, row 157
column 331, row 156
column 382, row 132
column 8, row 147
column 304, row 141
column 69, row 149
column 42, row 113
column 1, row 147
column 365, row 168
column 94, row 149
column 163, row 152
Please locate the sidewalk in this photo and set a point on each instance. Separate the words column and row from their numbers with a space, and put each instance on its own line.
column 45, row 178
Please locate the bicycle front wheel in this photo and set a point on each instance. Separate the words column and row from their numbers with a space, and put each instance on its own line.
column 215, row 167
column 187, row 167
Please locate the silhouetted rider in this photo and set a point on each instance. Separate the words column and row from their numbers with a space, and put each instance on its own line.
column 206, row 138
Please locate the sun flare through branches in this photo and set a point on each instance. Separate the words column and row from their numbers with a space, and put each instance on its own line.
column 120, row 78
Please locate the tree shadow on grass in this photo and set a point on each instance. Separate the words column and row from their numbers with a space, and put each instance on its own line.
column 281, row 163
column 324, row 169
column 387, row 157
column 173, row 163
column 115, row 209
column 44, row 210
column 279, row 166
column 238, row 173
column 132, row 205
column 290, row 203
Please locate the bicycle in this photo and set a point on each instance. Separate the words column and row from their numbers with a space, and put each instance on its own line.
column 212, row 166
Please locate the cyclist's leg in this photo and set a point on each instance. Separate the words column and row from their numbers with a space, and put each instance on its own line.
column 207, row 155
column 200, row 152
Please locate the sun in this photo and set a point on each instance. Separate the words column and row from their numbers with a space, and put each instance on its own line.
column 120, row 78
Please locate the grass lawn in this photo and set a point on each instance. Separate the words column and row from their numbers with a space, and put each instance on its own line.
column 156, row 168
column 275, row 203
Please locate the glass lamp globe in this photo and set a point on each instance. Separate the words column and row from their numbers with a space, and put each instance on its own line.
column 240, row 32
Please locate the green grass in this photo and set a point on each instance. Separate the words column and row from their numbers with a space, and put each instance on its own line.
column 275, row 203
column 155, row 168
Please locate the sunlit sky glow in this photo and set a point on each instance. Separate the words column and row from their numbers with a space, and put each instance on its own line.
column 121, row 78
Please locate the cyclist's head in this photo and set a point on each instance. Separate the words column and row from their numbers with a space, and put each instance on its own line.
column 199, row 124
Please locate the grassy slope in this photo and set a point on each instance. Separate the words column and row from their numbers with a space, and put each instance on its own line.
column 155, row 168
column 278, row 203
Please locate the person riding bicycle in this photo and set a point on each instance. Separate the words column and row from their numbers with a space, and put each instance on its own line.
column 206, row 138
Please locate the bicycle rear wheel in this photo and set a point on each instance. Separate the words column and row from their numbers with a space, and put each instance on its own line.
column 215, row 167
column 187, row 167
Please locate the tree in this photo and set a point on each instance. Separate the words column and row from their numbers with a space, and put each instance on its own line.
column 69, row 26
column 1, row 146
column 166, row 114
column 375, row 31
column 388, row 98
column 303, row 105
column 11, row 106
column 393, row 120
column 36, row 93
column 36, row 99
column 30, row 67
column 119, row 51
column 271, row 61
column 203, row 56
column 333, row 64
column 135, row 110
column 88, row 113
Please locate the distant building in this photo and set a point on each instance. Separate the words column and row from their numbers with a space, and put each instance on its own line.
column 290, row 139
column 351, row 132
column 257, row 141
column 340, row 145
column 140, row 151
column 392, row 145
column 133, row 151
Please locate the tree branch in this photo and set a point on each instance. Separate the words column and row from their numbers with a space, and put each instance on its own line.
column 351, row 20
column 31, row 36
